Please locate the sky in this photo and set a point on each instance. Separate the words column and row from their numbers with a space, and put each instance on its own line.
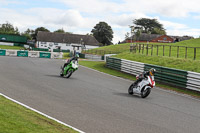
column 179, row 17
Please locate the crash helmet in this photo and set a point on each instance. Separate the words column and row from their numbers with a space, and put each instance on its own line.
column 77, row 55
column 152, row 71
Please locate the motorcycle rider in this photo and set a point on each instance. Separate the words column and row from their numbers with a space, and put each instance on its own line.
column 71, row 59
column 140, row 77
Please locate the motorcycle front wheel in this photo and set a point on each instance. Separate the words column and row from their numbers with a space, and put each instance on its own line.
column 145, row 92
column 61, row 73
column 130, row 89
column 69, row 73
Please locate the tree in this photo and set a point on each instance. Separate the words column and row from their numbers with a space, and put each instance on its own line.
column 149, row 26
column 158, row 31
column 28, row 33
column 60, row 31
column 39, row 29
column 138, row 33
column 103, row 33
column 127, row 35
column 8, row 28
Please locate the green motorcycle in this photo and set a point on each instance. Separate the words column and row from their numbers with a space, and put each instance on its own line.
column 69, row 69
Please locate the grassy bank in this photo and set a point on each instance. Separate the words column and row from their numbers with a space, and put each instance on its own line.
column 100, row 66
column 16, row 119
column 172, row 51
column 183, row 64
column 11, row 47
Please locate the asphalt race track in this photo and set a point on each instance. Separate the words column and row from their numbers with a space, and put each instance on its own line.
column 94, row 102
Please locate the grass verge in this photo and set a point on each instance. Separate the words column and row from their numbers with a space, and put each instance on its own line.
column 183, row 64
column 100, row 66
column 11, row 47
column 15, row 118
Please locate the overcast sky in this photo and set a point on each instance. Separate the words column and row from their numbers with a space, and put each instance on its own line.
column 179, row 17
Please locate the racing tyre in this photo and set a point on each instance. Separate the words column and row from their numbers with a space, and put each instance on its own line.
column 69, row 73
column 145, row 93
column 61, row 74
column 130, row 89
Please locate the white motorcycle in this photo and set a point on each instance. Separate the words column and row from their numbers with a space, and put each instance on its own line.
column 143, row 88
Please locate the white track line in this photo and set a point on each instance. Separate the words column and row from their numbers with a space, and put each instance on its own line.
column 169, row 91
column 41, row 113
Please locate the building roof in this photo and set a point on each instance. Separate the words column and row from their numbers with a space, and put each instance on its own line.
column 146, row 37
column 182, row 38
column 66, row 38
column 149, row 37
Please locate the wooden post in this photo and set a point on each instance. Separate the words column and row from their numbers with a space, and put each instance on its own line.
column 177, row 51
column 151, row 49
column 195, row 49
column 131, row 48
column 147, row 49
column 139, row 47
column 185, row 52
column 170, row 48
column 163, row 50
column 143, row 49
column 157, row 50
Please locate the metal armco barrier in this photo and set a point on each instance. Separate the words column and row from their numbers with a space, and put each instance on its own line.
column 22, row 53
column 82, row 55
column 132, row 67
column 93, row 57
column 2, row 52
column 193, row 81
column 180, row 78
column 113, row 63
column 169, row 76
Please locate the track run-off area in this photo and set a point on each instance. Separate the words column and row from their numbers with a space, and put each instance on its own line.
column 94, row 102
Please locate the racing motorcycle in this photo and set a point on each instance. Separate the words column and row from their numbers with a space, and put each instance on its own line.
column 143, row 88
column 69, row 69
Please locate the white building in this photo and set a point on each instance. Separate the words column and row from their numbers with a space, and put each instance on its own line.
column 64, row 41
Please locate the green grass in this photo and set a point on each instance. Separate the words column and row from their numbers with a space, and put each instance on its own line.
column 169, row 51
column 66, row 55
column 15, row 118
column 116, row 49
column 100, row 66
column 109, row 49
column 11, row 47
column 189, row 43
column 183, row 64
column 188, row 64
